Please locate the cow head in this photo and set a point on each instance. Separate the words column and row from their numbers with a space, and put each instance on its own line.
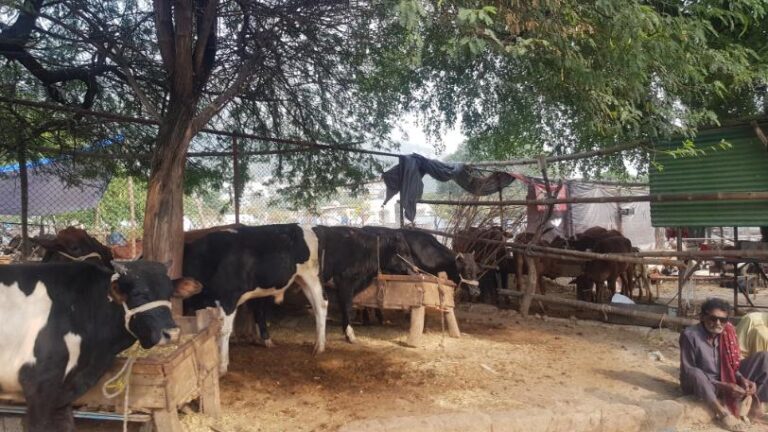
column 144, row 289
column 74, row 244
column 468, row 271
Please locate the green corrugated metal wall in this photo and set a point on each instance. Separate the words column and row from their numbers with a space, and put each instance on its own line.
column 742, row 168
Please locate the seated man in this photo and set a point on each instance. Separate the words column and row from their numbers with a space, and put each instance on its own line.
column 753, row 333
column 710, row 368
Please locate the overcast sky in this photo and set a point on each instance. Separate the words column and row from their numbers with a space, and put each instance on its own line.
column 412, row 139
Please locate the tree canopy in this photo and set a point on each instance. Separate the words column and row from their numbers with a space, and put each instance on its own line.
column 522, row 77
column 568, row 75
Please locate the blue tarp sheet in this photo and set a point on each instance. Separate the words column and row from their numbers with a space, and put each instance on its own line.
column 50, row 193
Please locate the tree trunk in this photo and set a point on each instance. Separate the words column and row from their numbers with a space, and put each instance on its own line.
column 163, row 218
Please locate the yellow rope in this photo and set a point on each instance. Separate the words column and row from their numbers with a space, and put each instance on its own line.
column 120, row 383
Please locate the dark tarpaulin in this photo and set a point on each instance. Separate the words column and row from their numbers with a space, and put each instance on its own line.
column 414, row 167
column 49, row 192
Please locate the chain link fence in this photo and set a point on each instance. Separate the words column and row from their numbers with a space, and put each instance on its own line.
column 112, row 210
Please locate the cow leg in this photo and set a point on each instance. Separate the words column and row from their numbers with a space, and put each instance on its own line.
column 313, row 290
column 379, row 316
column 63, row 419
column 43, row 417
column 344, row 297
column 226, row 332
column 260, row 308
column 625, row 289
column 365, row 317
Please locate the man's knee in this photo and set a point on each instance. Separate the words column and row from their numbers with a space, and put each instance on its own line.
column 699, row 385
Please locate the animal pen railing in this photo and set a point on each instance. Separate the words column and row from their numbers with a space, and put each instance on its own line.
column 687, row 261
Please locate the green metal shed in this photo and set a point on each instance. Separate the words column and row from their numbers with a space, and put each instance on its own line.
column 741, row 168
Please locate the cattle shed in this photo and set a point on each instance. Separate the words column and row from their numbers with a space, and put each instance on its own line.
column 721, row 160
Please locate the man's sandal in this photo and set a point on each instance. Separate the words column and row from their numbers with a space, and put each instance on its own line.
column 731, row 423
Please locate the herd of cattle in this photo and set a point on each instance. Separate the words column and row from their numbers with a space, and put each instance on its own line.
column 596, row 280
column 69, row 317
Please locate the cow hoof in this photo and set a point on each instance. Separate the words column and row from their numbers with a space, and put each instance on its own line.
column 268, row 343
column 319, row 349
column 350, row 334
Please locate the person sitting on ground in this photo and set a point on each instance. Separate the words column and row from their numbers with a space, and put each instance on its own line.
column 711, row 369
column 752, row 331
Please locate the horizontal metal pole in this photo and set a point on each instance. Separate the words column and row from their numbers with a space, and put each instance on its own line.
column 87, row 415
column 561, row 158
column 717, row 196
column 145, row 121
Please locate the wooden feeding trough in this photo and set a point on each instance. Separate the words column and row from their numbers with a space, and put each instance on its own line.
column 164, row 380
column 414, row 293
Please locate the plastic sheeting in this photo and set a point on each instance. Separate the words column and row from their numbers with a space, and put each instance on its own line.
column 49, row 194
column 631, row 219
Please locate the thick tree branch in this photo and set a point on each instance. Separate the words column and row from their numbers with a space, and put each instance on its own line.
column 243, row 74
column 165, row 34
column 13, row 46
column 183, row 73
column 205, row 47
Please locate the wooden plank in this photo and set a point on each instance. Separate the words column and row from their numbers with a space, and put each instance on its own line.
column 417, row 326
column 210, row 396
column 167, row 421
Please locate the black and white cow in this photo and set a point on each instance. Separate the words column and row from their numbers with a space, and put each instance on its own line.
column 252, row 262
column 432, row 256
column 351, row 258
column 64, row 324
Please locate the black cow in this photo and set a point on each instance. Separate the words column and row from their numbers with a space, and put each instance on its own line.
column 251, row 262
column 432, row 256
column 64, row 324
column 349, row 259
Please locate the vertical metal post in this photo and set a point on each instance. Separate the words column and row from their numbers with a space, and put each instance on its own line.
column 236, row 179
column 680, row 277
column 501, row 284
column 401, row 163
column 132, row 206
column 24, row 183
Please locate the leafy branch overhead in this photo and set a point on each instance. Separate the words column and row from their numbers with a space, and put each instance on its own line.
column 566, row 75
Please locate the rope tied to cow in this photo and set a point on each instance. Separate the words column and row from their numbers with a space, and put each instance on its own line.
column 80, row 258
column 121, row 383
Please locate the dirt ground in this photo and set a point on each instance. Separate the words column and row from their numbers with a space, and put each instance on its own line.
column 502, row 362
column 505, row 364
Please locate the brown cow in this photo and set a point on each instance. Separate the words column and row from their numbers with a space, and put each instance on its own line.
column 599, row 272
column 74, row 244
column 544, row 266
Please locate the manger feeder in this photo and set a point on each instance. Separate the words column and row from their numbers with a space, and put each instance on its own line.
column 414, row 293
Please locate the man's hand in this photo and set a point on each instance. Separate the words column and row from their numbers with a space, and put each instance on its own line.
column 749, row 386
column 731, row 389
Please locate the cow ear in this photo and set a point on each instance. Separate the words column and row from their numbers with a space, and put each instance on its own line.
column 186, row 287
